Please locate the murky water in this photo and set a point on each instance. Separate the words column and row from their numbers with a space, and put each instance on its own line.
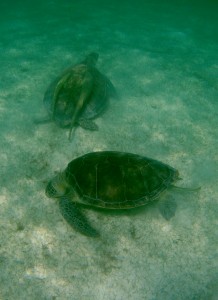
column 162, row 59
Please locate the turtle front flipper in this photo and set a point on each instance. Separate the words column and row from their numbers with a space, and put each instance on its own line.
column 75, row 218
column 167, row 208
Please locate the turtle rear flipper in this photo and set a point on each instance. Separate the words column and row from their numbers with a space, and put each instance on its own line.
column 167, row 208
column 88, row 124
column 75, row 218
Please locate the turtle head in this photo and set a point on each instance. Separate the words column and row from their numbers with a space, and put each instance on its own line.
column 91, row 59
column 57, row 187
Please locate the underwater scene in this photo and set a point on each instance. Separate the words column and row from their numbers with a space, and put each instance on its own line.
column 108, row 161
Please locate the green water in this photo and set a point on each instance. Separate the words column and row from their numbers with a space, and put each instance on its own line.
column 162, row 58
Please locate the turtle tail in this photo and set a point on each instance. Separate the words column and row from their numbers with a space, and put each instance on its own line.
column 85, row 93
column 57, row 89
column 74, row 118
column 75, row 218
column 73, row 122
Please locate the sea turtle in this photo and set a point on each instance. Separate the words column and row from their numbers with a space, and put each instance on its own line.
column 79, row 95
column 110, row 180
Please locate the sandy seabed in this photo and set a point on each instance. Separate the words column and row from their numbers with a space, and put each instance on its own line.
column 163, row 61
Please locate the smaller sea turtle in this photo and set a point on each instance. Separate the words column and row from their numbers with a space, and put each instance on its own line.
column 79, row 95
column 110, row 180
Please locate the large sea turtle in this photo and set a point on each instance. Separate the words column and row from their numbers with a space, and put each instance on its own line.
column 79, row 95
column 110, row 180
